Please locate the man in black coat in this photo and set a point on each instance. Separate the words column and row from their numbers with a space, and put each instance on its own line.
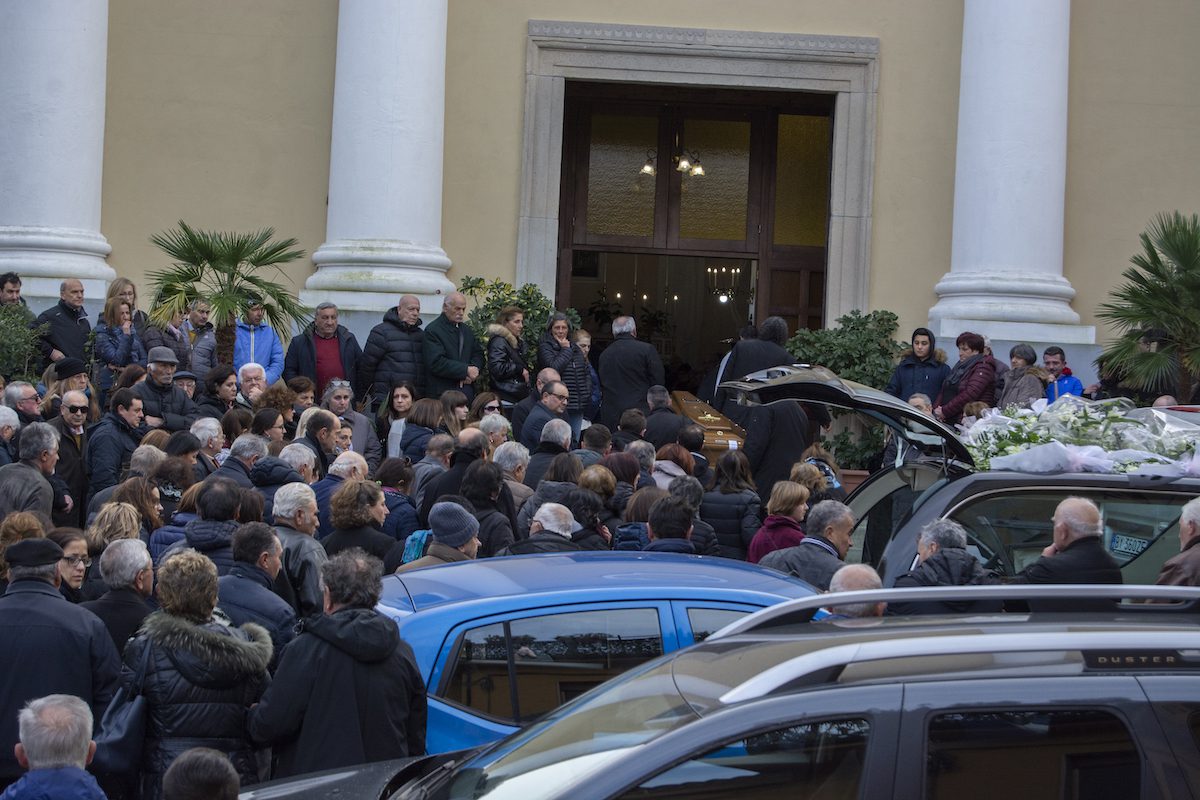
column 552, row 404
column 245, row 594
column 752, row 355
column 777, row 436
column 164, row 404
column 945, row 561
column 72, row 448
column 112, row 440
column 314, row 714
column 662, row 423
column 823, row 549
column 128, row 571
column 395, row 351
column 324, row 351
column 51, row 646
column 68, row 329
column 628, row 368
column 521, row 410
column 1077, row 554
column 555, row 440
column 247, row 449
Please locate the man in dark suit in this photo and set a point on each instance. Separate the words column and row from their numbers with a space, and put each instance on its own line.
column 128, row 570
column 628, row 368
column 72, row 450
column 1077, row 554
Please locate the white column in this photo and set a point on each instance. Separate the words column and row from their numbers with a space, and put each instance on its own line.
column 1006, row 266
column 53, row 55
column 383, row 234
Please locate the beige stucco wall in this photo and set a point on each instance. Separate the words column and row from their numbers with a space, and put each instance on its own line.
column 219, row 113
column 1132, row 134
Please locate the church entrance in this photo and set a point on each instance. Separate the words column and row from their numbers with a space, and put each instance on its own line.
column 696, row 211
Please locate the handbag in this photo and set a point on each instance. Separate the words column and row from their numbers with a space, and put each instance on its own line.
column 515, row 389
column 123, row 727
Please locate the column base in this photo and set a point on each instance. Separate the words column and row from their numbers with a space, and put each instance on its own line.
column 1005, row 296
column 44, row 257
column 366, row 277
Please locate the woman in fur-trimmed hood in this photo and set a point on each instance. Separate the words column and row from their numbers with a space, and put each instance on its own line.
column 201, row 676
column 1026, row 381
column 508, row 369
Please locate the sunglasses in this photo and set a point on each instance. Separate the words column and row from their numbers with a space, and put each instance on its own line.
column 491, row 409
column 77, row 409
column 340, row 384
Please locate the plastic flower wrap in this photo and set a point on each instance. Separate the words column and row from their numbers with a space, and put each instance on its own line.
column 1077, row 435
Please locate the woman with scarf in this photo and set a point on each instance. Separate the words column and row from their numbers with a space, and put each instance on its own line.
column 972, row 379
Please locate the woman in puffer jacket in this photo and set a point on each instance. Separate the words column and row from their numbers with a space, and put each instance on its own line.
column 201, row 673
column 558, row 352
column 732, row 507
column 508, row 370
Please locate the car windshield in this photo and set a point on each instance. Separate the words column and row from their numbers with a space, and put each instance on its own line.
column 576, row 741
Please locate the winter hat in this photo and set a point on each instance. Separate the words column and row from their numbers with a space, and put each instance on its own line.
column 32, row 553
column 452, row 525
column 68, row 368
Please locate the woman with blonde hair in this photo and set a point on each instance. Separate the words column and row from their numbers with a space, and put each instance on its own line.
column 200, row 675
column 125, row 290
column 813, row 479
column 785, row 511
column 115, row 520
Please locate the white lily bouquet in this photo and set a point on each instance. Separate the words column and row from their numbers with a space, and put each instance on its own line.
column 1077, row 435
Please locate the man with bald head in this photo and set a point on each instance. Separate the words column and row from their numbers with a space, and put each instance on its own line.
column 394, row 352
column 1077, row 554
column 67, row 326
column 71, row 468
column 453, row 357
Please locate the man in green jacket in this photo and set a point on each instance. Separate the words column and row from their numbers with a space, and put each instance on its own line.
column 453, row 357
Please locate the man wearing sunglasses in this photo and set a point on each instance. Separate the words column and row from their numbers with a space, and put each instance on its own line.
column 72, row 444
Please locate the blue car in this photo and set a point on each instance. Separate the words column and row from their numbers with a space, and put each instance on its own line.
column 502, row 641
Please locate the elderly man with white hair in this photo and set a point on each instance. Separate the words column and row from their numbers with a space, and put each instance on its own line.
column 854, row 578
column 513, row 459
column 56, row 746
column 212, row 439
column 247, row 449
column 252, row 382
column 823, row 549
column 10, row 423
column 550, row 532
column 453, row 356
column 25, row 485
column 347, row 466
column 1077, row 554
column 128, row 571
column 303, row 555
column 301, row 459
column 1184, row 569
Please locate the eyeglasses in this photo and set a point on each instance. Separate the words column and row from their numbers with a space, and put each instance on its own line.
column 75, row 561
column 491, row 409
column 563, row 397
column 77, row 409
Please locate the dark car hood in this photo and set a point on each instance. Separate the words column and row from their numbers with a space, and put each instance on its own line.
column 821, row 386
column 379, row 779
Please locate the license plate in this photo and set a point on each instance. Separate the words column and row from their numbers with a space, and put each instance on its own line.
column 1128, row 545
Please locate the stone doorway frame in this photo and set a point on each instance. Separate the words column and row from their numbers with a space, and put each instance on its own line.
column 847, row 66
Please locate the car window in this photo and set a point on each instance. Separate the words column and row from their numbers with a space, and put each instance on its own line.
column 1034, row 755
column 1008, row 530
column 519, row 670
column 820, row 759
column 707, row 621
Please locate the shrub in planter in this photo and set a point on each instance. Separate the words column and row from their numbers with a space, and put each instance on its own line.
column 490, row 297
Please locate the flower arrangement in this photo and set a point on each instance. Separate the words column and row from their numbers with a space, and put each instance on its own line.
column 1073, row 434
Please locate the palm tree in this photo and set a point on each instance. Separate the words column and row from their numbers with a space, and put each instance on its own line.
column 1157, row 309
column 222, row 268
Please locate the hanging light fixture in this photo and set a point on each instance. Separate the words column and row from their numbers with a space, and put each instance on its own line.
column 648, row 167
column 684, row 163
column 697, row 171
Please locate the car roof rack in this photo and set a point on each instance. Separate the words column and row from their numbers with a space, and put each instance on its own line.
column 1128, row 649
column 1105, row 599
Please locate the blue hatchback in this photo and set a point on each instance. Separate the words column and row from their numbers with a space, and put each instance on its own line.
column 502, row 641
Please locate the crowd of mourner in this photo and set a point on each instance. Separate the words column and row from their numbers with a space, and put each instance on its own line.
column 212, row 536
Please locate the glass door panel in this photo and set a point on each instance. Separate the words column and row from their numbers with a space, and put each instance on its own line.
column 714, row 191
column 620, row 193
column 802, row 180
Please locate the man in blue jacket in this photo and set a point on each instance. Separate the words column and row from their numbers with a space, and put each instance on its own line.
column 1055, row 361
column 258, row 343
column 56, row 745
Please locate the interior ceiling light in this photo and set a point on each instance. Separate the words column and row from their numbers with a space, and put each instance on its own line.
column 648, row 167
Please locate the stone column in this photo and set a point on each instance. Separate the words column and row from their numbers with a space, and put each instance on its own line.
column 53, row 55
column 384, row 227
column 1006, row 267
